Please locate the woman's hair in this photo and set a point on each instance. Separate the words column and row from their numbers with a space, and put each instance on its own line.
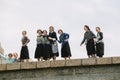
column 39, row 30
column 52, row 28
column 44, row 31
column 98, row 28
column 60, row 30
column 87, row 27
column 10, row 55
column 15, row 54
column 24, row 32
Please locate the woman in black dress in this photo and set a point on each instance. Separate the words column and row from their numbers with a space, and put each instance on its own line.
column 65, row 48
column 99, row 43
column 89, row 38
column 53, row 42
column 39, row 48
column 24, row 50
column 47, row 48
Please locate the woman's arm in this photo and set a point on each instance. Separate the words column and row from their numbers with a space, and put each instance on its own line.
column 83, row 40
column 101, row 36
column 93, row 34
column 27, row 41
column 3, row 56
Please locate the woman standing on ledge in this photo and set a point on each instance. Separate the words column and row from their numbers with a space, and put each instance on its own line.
column 89, row 38
column 47, row 47
column 99, row 43
column 24, row 50
column 65, row 48
column 53, row 42
column 39, row 48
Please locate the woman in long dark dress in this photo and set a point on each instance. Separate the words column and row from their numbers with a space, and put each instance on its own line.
column 65, row 48
column 47, row 48
column 39, row 48
column 53, row 42
column 99, row 43
column 89, row 38
column 24, row 50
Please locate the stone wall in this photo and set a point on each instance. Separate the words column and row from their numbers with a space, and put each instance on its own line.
column 77, row 69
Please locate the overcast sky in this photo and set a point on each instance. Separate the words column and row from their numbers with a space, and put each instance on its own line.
column 69, row 15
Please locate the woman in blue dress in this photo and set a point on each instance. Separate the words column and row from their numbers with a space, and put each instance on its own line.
column 65, row 48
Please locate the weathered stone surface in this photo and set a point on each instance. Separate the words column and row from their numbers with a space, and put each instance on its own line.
column 90, row 61
column 94, row 69
column 99, row 72
column 101, row 61
column 58, row 63
column 2, row 67
column 116, row 60
column 28, row 65
column 2, row 61
column 74, row 62
column 43, row 64
column 13, row 66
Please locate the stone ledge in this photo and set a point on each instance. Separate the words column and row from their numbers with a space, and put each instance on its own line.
column 60, row 63
column 74, row 62
column 116, row 60
column 43, row 64
column 103, row 61
column 3, row 67
column 28, row 65
column 90, row 61
column 13, row 66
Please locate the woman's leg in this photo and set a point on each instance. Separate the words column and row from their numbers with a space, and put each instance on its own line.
column 54, row 57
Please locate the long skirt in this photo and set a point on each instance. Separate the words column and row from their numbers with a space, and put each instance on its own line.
column 65, row 50
column 100, row 49
column 54, row 48
column 39, row 51
column 24, row 53
column 47, row 51
column 90, row 47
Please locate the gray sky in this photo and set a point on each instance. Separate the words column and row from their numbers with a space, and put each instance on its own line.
column 69, row 15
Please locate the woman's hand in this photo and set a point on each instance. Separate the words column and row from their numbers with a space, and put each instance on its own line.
column 80, row 44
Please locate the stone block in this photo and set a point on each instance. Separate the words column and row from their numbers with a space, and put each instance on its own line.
column 89, row 61
column 28, row 65
column 101, row 61
column 13, row 66
column 116, row 60
column 43, row 64
column 2, row 67
column 58, row 63
column 73, row 62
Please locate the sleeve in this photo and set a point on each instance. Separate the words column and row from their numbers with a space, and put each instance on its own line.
column 28, row 40
column 66, row 36
column 55, row 35
column 101, row 36
column 93, row 35
column 83, row 39
column 60, row 41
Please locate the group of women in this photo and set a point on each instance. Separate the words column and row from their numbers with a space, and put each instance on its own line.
column 94, row 44
column 47, row 46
